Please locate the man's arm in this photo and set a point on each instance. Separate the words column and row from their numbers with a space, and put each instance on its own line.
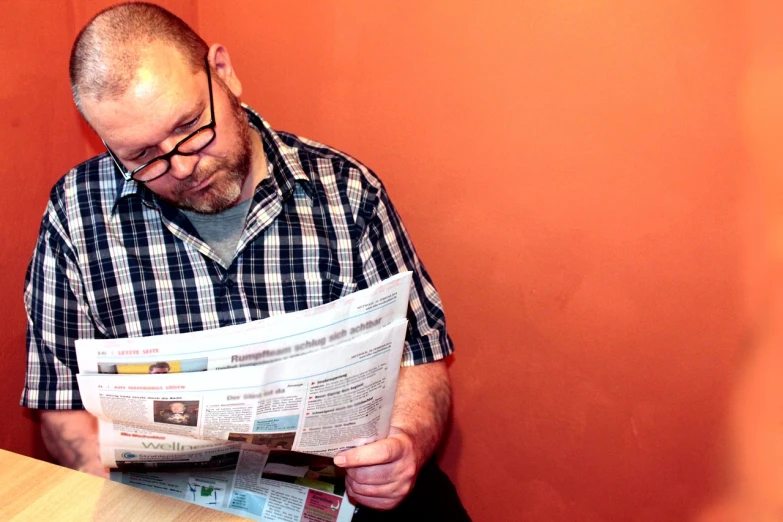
column 71, row 436
column 381, row 474
column 422, row 405
column 55, row 319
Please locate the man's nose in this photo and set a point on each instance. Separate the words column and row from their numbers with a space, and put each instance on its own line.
column 182, row 166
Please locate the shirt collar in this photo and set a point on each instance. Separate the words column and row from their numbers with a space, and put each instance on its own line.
column 286, row 168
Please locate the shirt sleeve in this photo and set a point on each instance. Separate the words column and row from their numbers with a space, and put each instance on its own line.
column 55, row 319
column 385, row 250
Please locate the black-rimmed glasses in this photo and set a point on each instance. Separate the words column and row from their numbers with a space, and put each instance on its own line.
column 194, row 143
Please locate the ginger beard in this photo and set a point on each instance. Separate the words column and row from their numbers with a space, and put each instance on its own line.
column 229, row 173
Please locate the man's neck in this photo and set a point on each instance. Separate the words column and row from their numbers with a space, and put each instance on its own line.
column 258, row 168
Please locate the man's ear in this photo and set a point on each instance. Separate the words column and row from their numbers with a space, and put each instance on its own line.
column 220, row 61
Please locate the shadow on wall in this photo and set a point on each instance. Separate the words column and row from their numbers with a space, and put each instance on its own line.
column 750, row 483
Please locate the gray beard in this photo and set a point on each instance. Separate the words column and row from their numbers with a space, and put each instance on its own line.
column 223, row 193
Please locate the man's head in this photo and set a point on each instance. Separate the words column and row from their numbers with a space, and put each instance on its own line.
column 108, row 51
column 160, row 367
column 177, row 407
column 139, row 77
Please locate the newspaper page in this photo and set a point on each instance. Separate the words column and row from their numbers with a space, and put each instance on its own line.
column 256, row 424
column 257, row 342
column 233, row 437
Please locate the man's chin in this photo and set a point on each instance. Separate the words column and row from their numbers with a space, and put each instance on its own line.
column 207, row 207
column 220, row 193
column 211, row 200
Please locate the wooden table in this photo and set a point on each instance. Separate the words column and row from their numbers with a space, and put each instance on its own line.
column 32, row 490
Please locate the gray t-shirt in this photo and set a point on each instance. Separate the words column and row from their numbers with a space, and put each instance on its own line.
column 221, row 231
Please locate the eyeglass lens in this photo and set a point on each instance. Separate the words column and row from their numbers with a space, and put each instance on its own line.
column 191, row 145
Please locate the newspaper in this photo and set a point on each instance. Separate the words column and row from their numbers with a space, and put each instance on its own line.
column 247, row 418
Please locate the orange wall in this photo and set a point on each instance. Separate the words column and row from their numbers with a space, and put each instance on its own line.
column 756, row 430
column 41, row 137
column 570, row 173
column 39, row 140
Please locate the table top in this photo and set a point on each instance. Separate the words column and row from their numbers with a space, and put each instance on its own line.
column 34, row 490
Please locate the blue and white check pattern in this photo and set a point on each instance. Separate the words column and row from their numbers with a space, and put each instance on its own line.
column 114, row 261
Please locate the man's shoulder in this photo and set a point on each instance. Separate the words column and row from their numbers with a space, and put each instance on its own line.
column 319, row 159
column 89, row 187
column 303, row 158
column 90, row 175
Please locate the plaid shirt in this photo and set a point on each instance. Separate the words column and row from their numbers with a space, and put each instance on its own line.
column 112, row 260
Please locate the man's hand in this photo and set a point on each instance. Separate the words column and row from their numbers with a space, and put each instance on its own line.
column 71, row 436
column 381, row 474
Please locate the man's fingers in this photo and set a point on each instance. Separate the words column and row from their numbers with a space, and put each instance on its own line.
column 374, row 475
column 383, row 503
column 383, row 451
column 383, row 490
column 96, row 469
column 381, row 474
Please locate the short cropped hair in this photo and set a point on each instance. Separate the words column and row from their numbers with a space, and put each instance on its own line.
column 109, row 49
column 162, row 365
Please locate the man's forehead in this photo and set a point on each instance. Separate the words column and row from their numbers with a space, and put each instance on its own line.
column 163, row 90
column 148, row 82
column 160, row 73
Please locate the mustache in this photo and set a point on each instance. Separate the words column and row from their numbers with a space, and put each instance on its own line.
column 200, row 174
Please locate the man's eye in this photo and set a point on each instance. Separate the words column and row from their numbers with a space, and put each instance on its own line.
column 192, row 123
column 140, row 155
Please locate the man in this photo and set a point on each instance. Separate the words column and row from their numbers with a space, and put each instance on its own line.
column 199, row 216
column 177, row 413
column 160, row 367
